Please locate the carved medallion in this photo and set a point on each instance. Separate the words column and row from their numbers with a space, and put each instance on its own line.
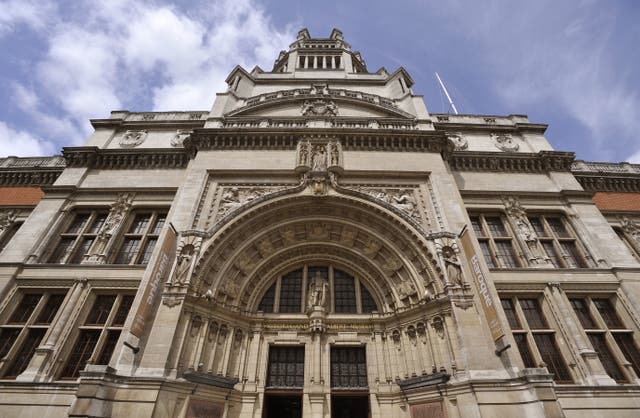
column 179, row 137
column 460, row 143
column 131, row 139
column 505, row 142
column 319, row 107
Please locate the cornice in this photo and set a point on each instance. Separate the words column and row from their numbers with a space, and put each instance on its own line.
column 351, row 139
column 29, row 176
column 541, row 162
column 601, row 182
column 150, row 158
column 477, row 127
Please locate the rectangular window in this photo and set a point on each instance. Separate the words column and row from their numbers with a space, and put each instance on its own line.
column 286, row 368
column 510, row 312
column 531, row 311
column 496, row 241
column 291, row 292
column 50, row 309
column 582, row 312
column 606, row 358
column 629, row 349
column 98, row 335
column 348, row 368
column 558, row 241
column 76, row 240
column 141, row 237
column 26, row 307
column 551, row 356
column 523, row 348
column 8, row 336
column 27, row 350
column 608, row 313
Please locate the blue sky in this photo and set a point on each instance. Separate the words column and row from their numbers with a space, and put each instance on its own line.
column 574, row 65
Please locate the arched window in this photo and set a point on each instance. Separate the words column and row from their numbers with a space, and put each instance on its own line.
column 288, row 294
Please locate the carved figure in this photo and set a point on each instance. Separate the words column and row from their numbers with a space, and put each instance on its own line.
column 318, row 289
column 319, row 107
column 452, row 266
column 304, row 154
column 288, row 235
column 334, row 155
column 406, row 289
column 404, row 202
column 525, row 231
column 6, row 219
column 319, row 158
column 181, row 273
column 230, row 199
column 371, row 247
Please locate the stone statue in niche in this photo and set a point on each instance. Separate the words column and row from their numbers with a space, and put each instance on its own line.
column 452, row 266
column 185, row 258
column 525, row 231
column 318, row 289
column 438, row 325
column 304, row 154
column 132, row 139
column 319, row 158
column 505, row 142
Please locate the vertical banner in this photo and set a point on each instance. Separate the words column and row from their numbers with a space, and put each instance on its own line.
column 154, row 285
column 486, row 299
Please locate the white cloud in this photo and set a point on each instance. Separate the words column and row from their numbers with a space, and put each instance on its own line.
column 31, row 13
column 103, row 56
column 21, row 143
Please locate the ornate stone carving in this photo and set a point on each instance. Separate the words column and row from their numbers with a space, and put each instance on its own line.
column 183, row 265
column 452, row 266
column 179, row 137
column 318, row 232
column 524, row 230
column 371, row 247
column 131, row 139
column 335, row 154
column 505, row 142
column 391, row 265
column 318, row 291
column 233, row 197
column 319, row 107
column 196, row 323
column 631, row 228
column 460, row 143
column 244, row 263
column 401, row 199
column 265, row 247
column 288, row 235
column 319, row 158
column 7, row 218
column 117, row 214
column 303, row 157
column 347, row 237
column 406, row 289
column 438, row 325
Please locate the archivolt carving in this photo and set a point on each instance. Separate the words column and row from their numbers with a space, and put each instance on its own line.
column 394, row 252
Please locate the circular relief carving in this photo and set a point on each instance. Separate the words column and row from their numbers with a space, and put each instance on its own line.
column 460, row 143
column 505, row 142
column 132, row 139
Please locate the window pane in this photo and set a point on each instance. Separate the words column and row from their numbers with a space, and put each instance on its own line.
column 496, row 227
column 80, row 252
column 109, row 346
column 607, row 312
column 348, row 368
column 100, row 310
column 286, row 367
column 557, row 227
column 159, row 223
column 551, row 253
column 486, row 252
column 505, row 254
column 477, row 227
column 62, row 250
column 266, row 304
column 50, row 309
column 78, row 223
column 531, row 311
column 572, row 255
column 605, row 356
column 128, row 250
column 582, row 312
column 140, row 223
column 523, row 348
column 123, row 310
column 8, row 336
column 367, row 302
column 552, row 358
column 291, row 292
column 629, row 349
column 26, row 352
column 344, row 289
column 148, row 249
column 536, row 223
column 25, row 309
column 81, row 353
column 97, row 223
column 510, row 312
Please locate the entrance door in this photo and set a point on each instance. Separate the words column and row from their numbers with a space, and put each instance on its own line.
column 349, row 406
column 279, row 406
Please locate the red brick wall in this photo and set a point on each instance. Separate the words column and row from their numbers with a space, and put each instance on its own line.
column 617, row 201
column 20, row 196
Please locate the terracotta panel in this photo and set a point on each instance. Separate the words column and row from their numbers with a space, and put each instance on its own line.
column 617, row 201
column 16, row 196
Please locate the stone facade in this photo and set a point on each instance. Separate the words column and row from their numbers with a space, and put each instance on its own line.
column 318, row 245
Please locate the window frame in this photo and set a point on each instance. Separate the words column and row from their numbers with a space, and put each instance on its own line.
column 31, row 324
column 277, row 285
column 493, row 256
column 150, row 232
column 86, row 232
column 103, row 330
column 534, row 352
column 555, row 242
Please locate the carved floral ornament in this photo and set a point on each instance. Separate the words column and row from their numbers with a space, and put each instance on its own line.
column 631, row 228
column 131, row 139
column 7, row 218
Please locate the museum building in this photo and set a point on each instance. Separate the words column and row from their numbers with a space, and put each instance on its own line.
column 318, row 245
